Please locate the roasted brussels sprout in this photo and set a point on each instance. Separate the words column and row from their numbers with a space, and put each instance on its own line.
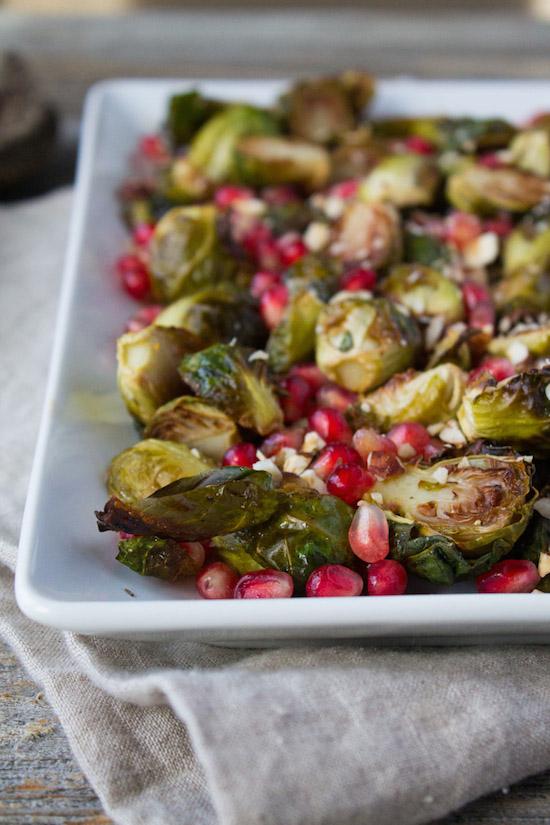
column 516, row 411
column 368, row 232
column 455, row 134
column 404, row 180
column 473, row 500
column 187, row 112
column 194, row 422
column 530, row 151
column 316, row 272
column 137, row 472
column 422, row 248
column 226, row 376
column 182, row 183
column 265, row 160
column 426, row 397
column 529, row 341
column 476, row 188
column 293, row 339
column 152, row 556
column 185, row 253
column 363, row 341
column 212, row 150
column 527, row 247
column 454, row 347
column 148, row 367
column 201, row 507
column 425, row 292
column 527, row 290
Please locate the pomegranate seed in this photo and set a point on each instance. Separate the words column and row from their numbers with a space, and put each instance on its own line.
column 461, row 228
column 226, row 196
column 261, row 246
column 273, row 304
column 279, row 195
column 499, row 368
column 295, row 398
column 134, row 276
column 330, row 424
column 491, row 160
column 338, row 398
column 384, row 464
column 144, row 317
column 195, row 553
column 501, row 225
column 332, row 580
column 366, row 440
column 262, row 281
column 143, row 233
column 349, row 482
column 345, row 189
column 433, row 449
column 480, row 309
column 292, row 437
column 419, row 145
column 509, row 576
column 409, row 436
column 333, row 456
column 386, row 578
column 216, row 581
column 125, row 536
column 369, row 533
column 267, row 254
column 153, row 148
column 265, row 584
column 311, row 373
column 358, row 278
column 240, row 455
column 291, row 248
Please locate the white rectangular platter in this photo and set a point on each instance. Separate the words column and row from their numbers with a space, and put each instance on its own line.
column 67, row 575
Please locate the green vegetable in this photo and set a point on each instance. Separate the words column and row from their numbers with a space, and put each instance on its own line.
column 194, row 422
column 368, row 231
column 265, row 160
column 476, row 188
column 456, row 134
column 422, row 248
column 527, row 289
column 527, row 246
column 530, row 151
column 183, row 184
column 404, row 180
column 317, row 272
column 535, row 546
column 425, row 292
column 153, row 556
column 293, row 339
column 535, row 340
column 187, row 112
column 453, row 347
column 225, row 375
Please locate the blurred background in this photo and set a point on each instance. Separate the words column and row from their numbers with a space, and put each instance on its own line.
column 53, row 50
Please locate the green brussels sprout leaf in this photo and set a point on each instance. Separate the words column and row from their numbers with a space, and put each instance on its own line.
column 193, row 422
column 153, row 556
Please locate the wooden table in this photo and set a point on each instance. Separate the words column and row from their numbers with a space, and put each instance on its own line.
column 39, row 780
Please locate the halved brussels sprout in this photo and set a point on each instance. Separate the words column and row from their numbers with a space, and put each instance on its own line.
column 187, row 112
column 293, row 339
column 225, row 375
column 201, row 507
column 404, row 180
column 516, row 411
column 534, row 341
column 527, row 246
column 425, row 292
column 527, row 289
column 453, row 347
column 264, row 160
column 148, row 362
column 426, row 397
column 194, row 422
column 137, row 472
column 362, row 341
column 476, row 188
column 152, row 556
column 530, row 151
column 368, row 232
column 318, row 272
column 455, row 134
column 356, row 155
column 473, row 500
column 182, row 183
column 423, row 248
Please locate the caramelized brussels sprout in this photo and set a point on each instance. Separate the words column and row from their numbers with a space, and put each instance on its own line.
column 404, row 180
column 368, row 232
column 362, row 341
column 192, row 509
column 137, row 472
column 425, row 292
column 527, row 289
column 187, row 112
column 356, row 155
column 266, row 160
column 316, row 272
column 152, row 556
column 293, row 339
column 455, row 134
column 422, row 248
column 194, row 422
column 225, row 375
column 516, row 411
column 212, row 150
column 148, row 367
column 426, row 397
column 473, row 500
column 476, row 188
column 185, row 184
column 528, row 246
column 530, row 151
column 532, row 341
column 454, row 347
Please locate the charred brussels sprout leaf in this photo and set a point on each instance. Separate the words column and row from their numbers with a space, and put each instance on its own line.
column 425, row 292
column 476, row 188
column 516, row 411
column 368, row 232
column 140, row 470
column 148, row 367
column 187, row 112
column 293, row 339
column 264, row 160
column 194, row 422
column 224, row 375
column 363, row 341
column 530, row 151
column 191, row 509
column 153, row 556
column 473, row 500
column 404, row 180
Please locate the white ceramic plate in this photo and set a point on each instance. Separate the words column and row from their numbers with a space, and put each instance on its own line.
column 67, row 575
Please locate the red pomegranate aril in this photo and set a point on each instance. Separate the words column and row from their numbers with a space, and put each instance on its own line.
column 262, row 281
column 226, row 196
column 499, row 368
column 331, row 425
column 368, row 534
column 264, row 584
column 358, row 278
column 419, row 145
column 480, row 309
column 490, row 160
column 345, row 189
column 295, row 398
column 153, row 148
column 384, row 464
column 273, row 304
column 261, row 246
column 409, row 436
column 240, row 455
column 216, row 581
column 366, row 440
column 334, row 580
column 333, row 456
column 336, row 397
column 461, row 228
column 509, row 576
column 143, row 233
column 433, row 449
column 196, row 555
column 144, row 317
column 134, row 276
column 291, row 248
column 291, row 437
column 311, row 373
column 349, row 482
column 123, row 536
column 502, row 225
column 386, row 578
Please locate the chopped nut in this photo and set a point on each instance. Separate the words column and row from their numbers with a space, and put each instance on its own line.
column 268, row 466
column 452, row 434
column 378, row 498
column 547, row 391
column 313, row 481
column 258, row 355
column 195, row 452
column 433, row 331
column 441, row 475
column 435, row 429
column 333, row 207
column 312, row 442
column 544, row 564
column 517, row 352
column 296, row 464
column 482, row 250
column 250, row 206
column 406, row 451
column 317, row 236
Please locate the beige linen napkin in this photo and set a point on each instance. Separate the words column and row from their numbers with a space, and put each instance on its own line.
column 179, row 733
